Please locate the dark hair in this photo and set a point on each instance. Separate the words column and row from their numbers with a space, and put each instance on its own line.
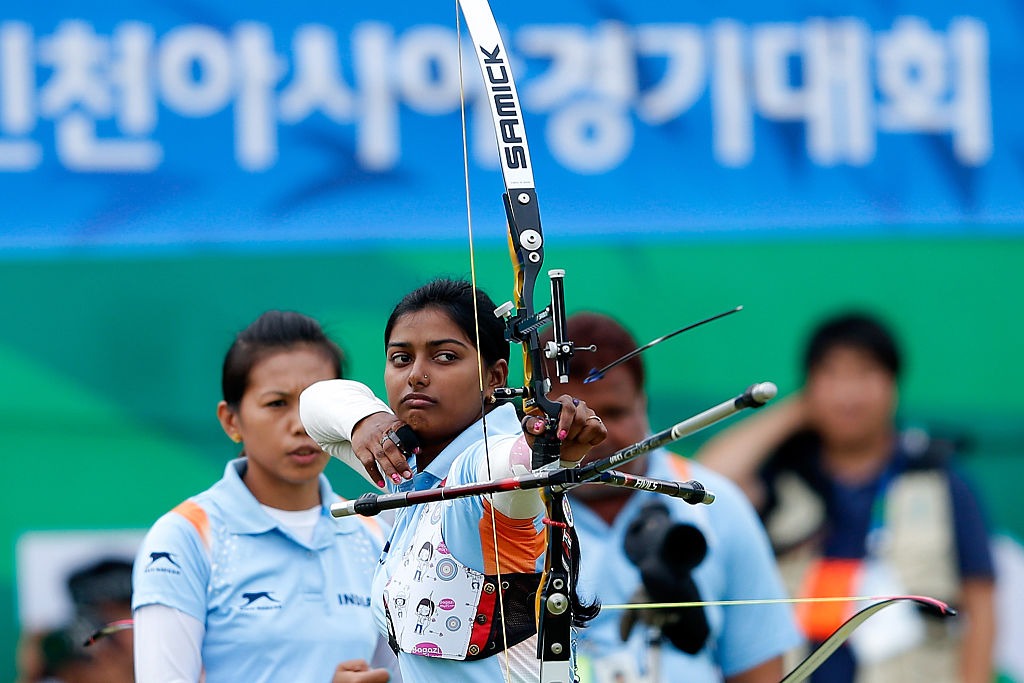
column 272, row 331
column 455, row 299
column 103, row 581
column 857, row 330
column 613, row 342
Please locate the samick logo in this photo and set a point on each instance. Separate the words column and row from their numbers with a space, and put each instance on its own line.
column 510, row 122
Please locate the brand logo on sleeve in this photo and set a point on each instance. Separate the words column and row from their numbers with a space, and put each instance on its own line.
column 260, row 600
column 159, row 561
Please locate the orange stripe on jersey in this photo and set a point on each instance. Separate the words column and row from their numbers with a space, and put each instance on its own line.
column 520, row 545
column 197, row 518
column 680, row 465
column 373, row 525
column 826, row 577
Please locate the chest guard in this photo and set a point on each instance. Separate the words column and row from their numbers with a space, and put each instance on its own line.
column 438, row 607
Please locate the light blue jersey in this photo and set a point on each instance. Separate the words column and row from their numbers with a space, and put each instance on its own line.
column 738, row 565
column 468, row 539
column 275, row 608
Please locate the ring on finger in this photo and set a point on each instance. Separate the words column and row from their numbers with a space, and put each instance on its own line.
column 595, row 417
column 395, row 439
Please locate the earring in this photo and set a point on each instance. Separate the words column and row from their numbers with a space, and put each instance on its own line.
column 236, row 437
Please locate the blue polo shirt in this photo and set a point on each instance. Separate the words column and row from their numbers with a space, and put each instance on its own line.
column 739, row 565
column 275, row 608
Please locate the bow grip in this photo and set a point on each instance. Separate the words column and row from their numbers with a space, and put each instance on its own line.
column 547, row 448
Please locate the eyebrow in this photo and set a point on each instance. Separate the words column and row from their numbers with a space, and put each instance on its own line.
column 274, row 392
column 437, row 342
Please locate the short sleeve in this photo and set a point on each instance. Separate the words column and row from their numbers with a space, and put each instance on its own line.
column 172, row 567
column 751, row 634
column 974, row 552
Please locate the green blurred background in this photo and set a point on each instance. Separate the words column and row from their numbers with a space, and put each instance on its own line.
column 111, row 366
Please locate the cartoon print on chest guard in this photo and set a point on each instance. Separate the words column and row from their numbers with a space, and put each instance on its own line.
column 423, row 556
column 424, row 614
column 399, row 606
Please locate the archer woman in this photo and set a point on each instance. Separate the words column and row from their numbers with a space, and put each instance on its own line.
column 252, row 580
column 480, row 628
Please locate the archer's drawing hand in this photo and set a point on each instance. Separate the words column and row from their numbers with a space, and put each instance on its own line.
column 380, row 456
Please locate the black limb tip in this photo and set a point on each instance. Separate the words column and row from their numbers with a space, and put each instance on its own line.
column 367, row 505
column 935, row 610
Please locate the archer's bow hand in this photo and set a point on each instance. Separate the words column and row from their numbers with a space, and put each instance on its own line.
column 579, row 429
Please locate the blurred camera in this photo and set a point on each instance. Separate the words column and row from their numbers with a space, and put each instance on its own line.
column 666, row 553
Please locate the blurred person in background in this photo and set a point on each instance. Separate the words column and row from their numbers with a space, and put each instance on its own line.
column 253, row 579
column 644, row 547
column 100, row 594
column 854, row 508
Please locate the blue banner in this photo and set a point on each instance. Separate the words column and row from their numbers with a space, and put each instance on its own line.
column 258, row 123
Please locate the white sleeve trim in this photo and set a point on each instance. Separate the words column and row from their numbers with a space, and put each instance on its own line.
column 331, row 409
column 168, row 645
column 384, row 658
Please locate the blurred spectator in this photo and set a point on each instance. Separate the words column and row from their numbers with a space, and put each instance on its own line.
column 638, row 547
column 100, row 593
column 854, row 508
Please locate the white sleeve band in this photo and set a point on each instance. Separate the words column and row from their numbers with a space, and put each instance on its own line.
column 331, row 409
column 168, row 645
column 515, row 504
column 384, row 658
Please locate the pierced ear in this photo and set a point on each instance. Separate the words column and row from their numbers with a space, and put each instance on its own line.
column 229, row 421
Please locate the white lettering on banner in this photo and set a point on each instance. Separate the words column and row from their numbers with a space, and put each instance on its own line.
column 845, row 82
column 685, row 70
column 195, row 71
column 316, row 85
column 833, row 98
column 428, row 69
column 17, row 104
column 255, row 108
column 588, row 91
column 95, row 78
column 732, row 128
column 378, row 141
column 935, row 83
